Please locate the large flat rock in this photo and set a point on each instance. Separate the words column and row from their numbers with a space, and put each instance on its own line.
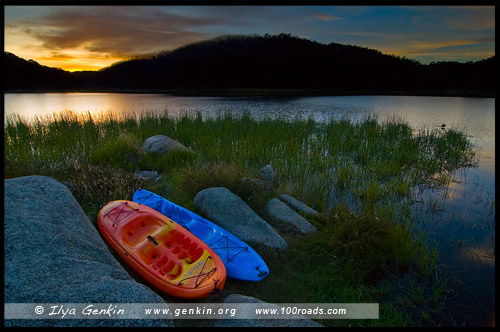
column 229, row 211
column 53, row 254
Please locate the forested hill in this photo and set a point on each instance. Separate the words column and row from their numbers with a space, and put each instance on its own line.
column 261, row 62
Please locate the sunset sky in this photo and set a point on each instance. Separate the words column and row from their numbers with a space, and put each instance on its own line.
column 93, row 37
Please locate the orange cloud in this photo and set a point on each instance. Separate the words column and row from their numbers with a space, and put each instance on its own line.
column 326, row 17
column 438, row 48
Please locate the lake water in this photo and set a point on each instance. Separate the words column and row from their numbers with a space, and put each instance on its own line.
column 462, row 220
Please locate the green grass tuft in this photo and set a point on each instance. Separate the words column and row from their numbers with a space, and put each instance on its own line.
column 167, row 163
column 122, row 152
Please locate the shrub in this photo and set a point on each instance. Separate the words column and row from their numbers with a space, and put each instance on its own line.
column 231, row 176
column 164, row 163
column 94, row 186
column 122, row 152
column 371, row 242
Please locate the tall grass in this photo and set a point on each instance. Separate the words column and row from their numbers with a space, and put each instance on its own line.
column 361, row 176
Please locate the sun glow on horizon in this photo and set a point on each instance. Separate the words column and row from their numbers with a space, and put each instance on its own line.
column 68, row 62
column 77, row 59
column 77, row 64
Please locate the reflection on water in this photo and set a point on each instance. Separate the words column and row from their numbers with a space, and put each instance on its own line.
column 461, row 218
column 481, row 256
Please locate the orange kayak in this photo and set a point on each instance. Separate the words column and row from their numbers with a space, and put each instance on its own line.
column 164, row 253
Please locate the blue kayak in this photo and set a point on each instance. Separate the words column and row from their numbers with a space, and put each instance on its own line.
column 241, row 261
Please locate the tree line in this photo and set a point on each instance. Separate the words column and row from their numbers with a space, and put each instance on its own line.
column 260, row 62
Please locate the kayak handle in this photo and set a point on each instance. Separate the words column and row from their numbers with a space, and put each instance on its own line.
column 150, row 238
column 262, row 273
column 215, row 290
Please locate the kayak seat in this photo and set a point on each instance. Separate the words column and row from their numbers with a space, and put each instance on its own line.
column 136, row 232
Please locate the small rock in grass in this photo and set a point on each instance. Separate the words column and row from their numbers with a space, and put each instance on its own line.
column 269, row 175
column 147, row 175
column 298, row 205
column 162, row 144
column 281, row 212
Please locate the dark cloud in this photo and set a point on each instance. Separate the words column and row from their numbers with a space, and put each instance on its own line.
column 118, row 31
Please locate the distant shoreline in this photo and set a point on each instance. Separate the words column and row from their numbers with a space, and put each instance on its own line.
column 251, row 92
